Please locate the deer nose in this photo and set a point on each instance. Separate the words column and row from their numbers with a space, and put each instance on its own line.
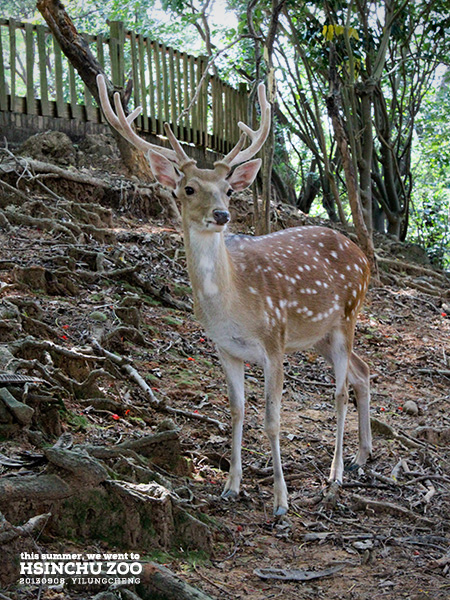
column 221, row 216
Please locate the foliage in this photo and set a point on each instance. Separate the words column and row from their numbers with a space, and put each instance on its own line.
column 431, row 175
column 25, row 9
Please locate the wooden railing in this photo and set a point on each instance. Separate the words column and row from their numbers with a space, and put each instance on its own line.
column 37, row 79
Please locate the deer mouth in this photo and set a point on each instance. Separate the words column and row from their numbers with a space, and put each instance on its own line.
column 212, row 225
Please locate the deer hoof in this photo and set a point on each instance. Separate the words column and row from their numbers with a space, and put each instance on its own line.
column 351, row 466
column 279, row 511
column 229, row 495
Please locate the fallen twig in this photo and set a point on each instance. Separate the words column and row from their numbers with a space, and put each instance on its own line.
column 389, row 507
column 297, row 574
column 155, row 403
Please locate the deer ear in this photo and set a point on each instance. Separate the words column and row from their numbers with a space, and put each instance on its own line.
column 244, row 175
column 163, row 170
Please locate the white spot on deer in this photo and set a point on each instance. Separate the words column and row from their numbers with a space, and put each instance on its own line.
column 318, row 282
column 307, row 267
column 278, row 313
column 334, row 254
column 252, row 290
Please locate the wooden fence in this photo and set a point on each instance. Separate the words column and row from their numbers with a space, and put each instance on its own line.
column 37, row 79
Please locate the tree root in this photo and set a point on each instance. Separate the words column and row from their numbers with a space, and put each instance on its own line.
column 158, row 581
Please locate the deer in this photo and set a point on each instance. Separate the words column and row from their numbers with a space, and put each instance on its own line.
column 260, row 297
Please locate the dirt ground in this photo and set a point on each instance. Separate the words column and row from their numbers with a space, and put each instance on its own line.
column 388, row 533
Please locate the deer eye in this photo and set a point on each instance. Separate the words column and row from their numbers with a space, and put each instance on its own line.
column 230, row 192
column 189, row 190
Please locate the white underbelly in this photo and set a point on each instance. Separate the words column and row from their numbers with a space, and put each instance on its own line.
column 232, row 338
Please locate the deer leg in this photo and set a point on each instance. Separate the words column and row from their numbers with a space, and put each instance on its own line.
column 335, row 349
column 234, row 373
column 273, row 377
column 360, row 381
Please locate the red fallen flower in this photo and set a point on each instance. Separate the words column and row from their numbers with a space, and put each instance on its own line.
column 196, row 412
column 64, row 337
column 382, row 408
column 239, row 528
column 443, row 314
column 115, row 417
column 127, row 411
column 190, row 358
column 201, row 339
column 65, row 326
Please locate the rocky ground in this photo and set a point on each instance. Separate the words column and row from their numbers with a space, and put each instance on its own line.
column 114, row 420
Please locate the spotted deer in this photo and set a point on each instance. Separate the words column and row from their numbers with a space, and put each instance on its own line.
column 259, row 297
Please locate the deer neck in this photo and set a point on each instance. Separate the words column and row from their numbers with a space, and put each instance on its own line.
column 210, row 269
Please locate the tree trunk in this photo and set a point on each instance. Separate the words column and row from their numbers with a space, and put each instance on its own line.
column 365, row 160
column 333, row 106
column 263, row 226
column 79, row 55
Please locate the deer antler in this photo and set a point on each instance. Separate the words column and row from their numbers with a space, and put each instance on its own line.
column 258, row 137
column 121, row 123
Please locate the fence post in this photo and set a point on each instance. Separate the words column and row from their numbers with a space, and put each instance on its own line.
column 173, row 95
column 144, row 93
column 3, row 94
column 116, row 52
column 152, row 124
column 60, row 108
column 135, row 74
column 29, row 68
column 165, row 81
column 12, row 63
column 179, row 93
column 186, row 119
column 159, row 91
column 41, row 32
